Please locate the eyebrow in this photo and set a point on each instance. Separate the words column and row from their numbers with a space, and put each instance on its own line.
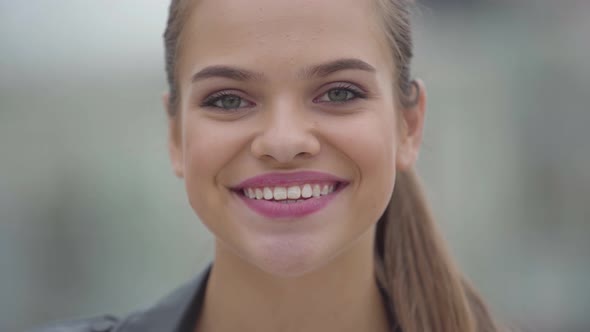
column 229, row 72
column 318, row 71
column 325, row 69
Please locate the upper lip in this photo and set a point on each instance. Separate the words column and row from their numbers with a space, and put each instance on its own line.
column 286, row 179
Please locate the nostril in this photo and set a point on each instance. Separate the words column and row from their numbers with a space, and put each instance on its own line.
column 303, row 155
column 285, row 146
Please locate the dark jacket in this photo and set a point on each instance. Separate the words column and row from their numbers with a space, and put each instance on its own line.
column 177, row 312
column 174, row 313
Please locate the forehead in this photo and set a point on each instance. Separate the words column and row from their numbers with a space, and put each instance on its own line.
column 276, row 35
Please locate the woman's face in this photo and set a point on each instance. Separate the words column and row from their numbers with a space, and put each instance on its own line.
column 283, row 100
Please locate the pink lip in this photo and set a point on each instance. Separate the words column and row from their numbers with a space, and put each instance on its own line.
column 273, row 209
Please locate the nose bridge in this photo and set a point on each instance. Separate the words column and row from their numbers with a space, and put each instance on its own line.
column 285, row 132
column 284, row 119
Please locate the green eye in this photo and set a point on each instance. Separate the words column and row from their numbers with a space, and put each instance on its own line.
column 226, row 101
column 229, row 102
column 343, row 93
column 340, row 95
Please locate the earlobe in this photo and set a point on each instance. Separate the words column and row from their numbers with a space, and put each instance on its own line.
column 412, row 129
column 174, row 138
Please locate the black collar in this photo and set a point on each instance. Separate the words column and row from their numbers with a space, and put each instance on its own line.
column 175, row 313
column 178, row 312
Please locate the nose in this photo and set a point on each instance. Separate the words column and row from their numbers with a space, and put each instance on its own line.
column 286, row 135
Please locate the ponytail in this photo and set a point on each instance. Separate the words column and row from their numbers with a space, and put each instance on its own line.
column 426, row 290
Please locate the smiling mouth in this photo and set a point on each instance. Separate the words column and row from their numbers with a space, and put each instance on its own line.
column 290, row 194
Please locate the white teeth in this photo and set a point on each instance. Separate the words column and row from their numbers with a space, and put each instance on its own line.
column 248, row 193
column 293, row 192
column 280, row 193
column 316, row 190
column 267, row 193
column 259, row 193
column 306, row 192
column 251, row 193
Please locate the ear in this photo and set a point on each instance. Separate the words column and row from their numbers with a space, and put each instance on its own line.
column 174, row 138
column 411, row 127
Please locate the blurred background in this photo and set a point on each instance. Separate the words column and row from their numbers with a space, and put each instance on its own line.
column 92, row 219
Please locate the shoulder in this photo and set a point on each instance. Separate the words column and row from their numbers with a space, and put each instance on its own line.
column 175, row 312
column 105, row 323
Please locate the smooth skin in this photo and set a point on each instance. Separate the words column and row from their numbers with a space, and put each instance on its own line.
column 284, row 86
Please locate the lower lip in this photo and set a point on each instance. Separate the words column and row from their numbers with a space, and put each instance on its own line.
column 272, row 209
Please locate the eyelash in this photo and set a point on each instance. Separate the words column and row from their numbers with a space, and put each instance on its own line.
column 214, row 98
column 356, row 92
column 348, row 87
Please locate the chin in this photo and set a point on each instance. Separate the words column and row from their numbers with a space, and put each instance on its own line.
column 289, row 260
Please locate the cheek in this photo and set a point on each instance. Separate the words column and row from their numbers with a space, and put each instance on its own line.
column 369, row 141
column 371, row 149
column 207, row 149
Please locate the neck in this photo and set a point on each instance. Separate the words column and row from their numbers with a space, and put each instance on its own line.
column 341, row 296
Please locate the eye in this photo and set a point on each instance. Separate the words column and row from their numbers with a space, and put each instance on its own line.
column 226, row 101
column 341, row 94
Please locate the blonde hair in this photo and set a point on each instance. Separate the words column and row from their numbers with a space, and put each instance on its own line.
column 426, row 291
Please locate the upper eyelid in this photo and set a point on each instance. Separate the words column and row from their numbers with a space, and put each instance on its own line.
column 214, row 96
column 224, row 92
column 355, row 88
column 343, row 85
